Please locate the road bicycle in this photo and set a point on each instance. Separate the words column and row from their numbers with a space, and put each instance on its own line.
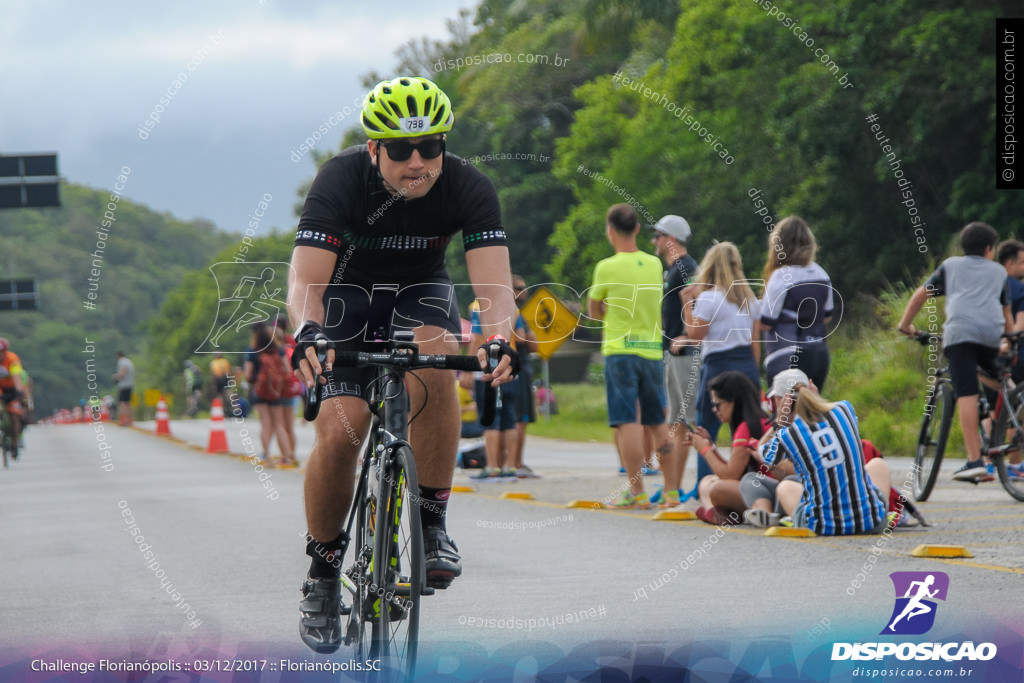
column 387, row 576
column 1002, row 443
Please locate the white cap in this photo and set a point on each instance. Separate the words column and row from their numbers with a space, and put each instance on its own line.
column 674, row 226
column 786, row 381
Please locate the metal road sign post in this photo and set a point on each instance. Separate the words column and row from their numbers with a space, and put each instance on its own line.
column 552, row 322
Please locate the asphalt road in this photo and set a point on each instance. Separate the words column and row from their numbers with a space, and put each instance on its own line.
column 545, row 588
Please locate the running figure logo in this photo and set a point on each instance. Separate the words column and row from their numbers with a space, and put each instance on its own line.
column 914, row 612
column 248, row 294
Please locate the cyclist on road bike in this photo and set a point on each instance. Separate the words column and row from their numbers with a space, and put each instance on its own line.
column 11, row 387
column 369, row 257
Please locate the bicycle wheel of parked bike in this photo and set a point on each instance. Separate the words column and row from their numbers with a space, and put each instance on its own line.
column 931, row 441
column 1008, row 465
column 399, row 572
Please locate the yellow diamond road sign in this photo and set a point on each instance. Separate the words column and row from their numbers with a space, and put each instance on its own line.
column 549, row 319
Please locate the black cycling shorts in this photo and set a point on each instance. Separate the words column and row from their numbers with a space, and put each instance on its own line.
column 964, row 361
column 363, row 318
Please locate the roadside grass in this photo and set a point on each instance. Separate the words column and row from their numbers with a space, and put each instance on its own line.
column 582, row 415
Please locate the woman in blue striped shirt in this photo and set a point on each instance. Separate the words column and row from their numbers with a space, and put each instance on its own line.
column 840, row 494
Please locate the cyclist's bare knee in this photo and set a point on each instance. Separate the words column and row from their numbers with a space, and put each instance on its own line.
column 342, row 424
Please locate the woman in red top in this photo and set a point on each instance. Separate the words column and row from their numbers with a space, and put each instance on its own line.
column 736, row 401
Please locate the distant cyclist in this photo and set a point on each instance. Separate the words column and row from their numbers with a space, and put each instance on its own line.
column 369, row 258
column 11, row 387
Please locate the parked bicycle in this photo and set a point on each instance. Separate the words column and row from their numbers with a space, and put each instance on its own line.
column 1001, row 442
column 387, row 576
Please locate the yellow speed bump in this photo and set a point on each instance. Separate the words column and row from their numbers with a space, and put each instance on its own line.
column 789, row 531
column 593, row 504
column 673, row 516
column 462, row 489
column 940, row 551
column 517, row 495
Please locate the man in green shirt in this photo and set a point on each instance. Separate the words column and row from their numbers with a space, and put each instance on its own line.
column 626, row 295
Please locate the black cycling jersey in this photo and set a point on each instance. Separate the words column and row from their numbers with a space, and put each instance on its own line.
column 376, row 234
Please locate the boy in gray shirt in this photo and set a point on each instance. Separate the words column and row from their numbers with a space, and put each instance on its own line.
column 977, row 315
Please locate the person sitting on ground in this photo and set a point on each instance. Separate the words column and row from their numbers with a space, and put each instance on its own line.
column 838, row 494
column 736, row 402
column 758, row 490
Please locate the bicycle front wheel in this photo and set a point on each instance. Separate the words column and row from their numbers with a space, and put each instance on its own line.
column 931, row 441
column 399, row 572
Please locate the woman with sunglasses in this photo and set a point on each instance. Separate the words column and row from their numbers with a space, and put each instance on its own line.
column 369, row 259
column 737, row 402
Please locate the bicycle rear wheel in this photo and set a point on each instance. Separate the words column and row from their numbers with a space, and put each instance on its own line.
column 1011, row 474
column 931, row 440
column 399, row 571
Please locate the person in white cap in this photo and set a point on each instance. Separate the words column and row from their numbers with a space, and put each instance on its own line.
column 682, row 354
column 839, row 494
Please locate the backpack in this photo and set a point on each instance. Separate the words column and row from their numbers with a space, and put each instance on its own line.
column 197, row 380
column 272, row 380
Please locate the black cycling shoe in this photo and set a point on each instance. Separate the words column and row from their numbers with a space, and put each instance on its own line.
column 442, row 557
column 320, row 614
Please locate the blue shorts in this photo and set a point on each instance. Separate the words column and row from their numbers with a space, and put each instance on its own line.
column 505, row 419
column 629, row 379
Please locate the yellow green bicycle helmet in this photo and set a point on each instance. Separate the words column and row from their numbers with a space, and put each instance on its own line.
column 406, row 107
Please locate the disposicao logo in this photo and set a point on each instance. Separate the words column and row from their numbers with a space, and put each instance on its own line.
column 916, row 592
column 914, row 614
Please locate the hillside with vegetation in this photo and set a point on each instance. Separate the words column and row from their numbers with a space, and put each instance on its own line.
column 97, row 285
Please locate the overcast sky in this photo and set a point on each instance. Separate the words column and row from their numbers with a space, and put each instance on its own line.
column 81, row 78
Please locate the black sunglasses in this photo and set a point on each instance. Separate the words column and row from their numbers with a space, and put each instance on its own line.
column 401, row 150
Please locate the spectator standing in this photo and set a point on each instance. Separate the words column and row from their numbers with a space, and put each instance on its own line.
column 722, row 318
column 681, row 354
column 465, row 386
column 125, row 378
column 626, row 295
column 1010, row 255
column 500, row 435
column 220, row 371
column 271, row 411
column 526, row 410
column 797, row 303
column 193, row 387
column 286, row 342
column 977, row 315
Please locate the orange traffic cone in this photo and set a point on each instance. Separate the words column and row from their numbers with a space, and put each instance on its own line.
column 218, row 437
column 163, row 423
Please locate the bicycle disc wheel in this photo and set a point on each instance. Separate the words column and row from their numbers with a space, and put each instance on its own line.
column 399, row 572
column 931, row 441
